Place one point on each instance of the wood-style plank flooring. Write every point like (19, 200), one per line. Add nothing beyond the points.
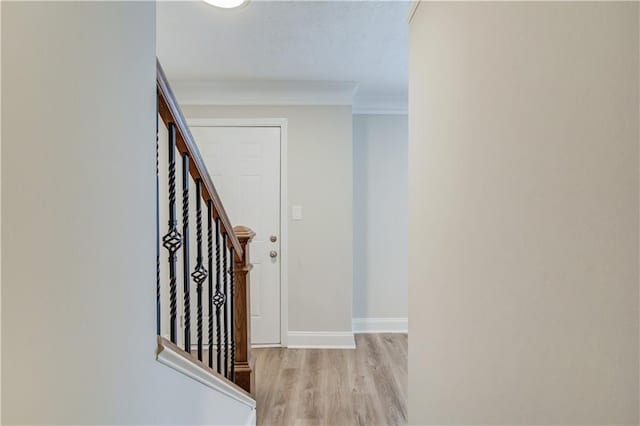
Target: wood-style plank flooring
(334, 387)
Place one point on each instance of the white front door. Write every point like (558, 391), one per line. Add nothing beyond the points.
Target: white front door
(244, 164)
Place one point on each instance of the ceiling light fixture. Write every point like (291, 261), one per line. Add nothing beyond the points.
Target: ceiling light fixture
(226, 4)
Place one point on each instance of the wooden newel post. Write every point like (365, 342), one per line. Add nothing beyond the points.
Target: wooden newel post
(242, 315)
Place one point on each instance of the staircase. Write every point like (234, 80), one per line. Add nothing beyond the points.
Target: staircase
(202, 288)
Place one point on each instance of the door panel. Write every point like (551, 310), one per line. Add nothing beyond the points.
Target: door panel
(244, 164)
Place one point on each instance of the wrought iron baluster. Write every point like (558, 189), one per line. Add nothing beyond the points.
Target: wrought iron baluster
(210, 293)
(158, 331)
(218, 300)
(232, 306)
(199, 275)
(185, 253)
(226, 306)
(172, 240)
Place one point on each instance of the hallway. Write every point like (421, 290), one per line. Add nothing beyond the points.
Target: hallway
(365, 386)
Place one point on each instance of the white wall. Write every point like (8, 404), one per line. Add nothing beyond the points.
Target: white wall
(380, 217)
(78, 196)
(320, 180)
(523, 201)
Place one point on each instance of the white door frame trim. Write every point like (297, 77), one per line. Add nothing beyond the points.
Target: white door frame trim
(284, 208)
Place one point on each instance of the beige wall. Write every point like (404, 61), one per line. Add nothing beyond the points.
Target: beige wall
(523, 201)
(320, 180)
(78, 220)
(380, 286)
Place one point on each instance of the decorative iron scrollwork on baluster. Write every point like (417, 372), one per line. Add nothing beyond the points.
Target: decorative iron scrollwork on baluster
(218, 300)
(199, 275)
(172, 241)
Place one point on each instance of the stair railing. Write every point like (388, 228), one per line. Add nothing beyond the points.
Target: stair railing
(221, 262)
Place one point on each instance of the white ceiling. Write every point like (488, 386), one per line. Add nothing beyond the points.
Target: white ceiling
(364, 43)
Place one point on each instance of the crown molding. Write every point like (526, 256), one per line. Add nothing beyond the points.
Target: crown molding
(388, 105)
(285, 93)
(194, 92)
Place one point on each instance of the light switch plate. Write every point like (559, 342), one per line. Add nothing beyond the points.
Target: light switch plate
(296, 212)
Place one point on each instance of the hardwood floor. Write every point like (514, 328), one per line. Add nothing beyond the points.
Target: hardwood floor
(334, 387)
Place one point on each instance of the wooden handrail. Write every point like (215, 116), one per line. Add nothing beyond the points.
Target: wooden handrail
(228, 302)
(170, 113)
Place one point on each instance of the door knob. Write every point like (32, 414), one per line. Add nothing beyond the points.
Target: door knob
(273, 254)
(273, 238)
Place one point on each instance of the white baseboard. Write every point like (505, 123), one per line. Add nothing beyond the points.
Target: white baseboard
(321, 340)
(380, 325)
(265, 345)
